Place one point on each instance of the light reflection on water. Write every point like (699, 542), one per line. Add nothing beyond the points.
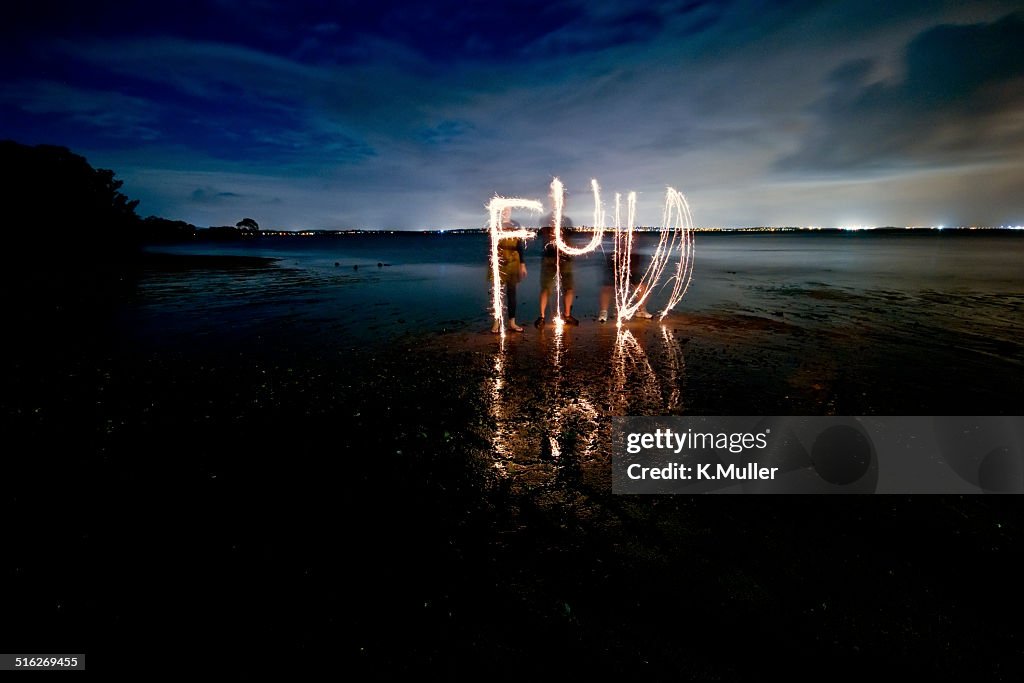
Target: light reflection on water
(552, 424)
(820, 323)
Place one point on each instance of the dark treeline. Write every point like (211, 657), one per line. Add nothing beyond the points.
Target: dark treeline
(55, 201)
(74, 238)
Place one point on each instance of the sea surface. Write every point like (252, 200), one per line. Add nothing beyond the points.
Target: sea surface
(912, 289)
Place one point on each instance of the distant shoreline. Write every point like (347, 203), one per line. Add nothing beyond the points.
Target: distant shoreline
(584, 229)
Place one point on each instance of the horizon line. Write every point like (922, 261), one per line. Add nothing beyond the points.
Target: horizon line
(639, 228)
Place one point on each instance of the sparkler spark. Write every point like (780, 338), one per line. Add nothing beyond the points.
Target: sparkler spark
(558, 194)
(682, 233)
(558, 200)
(579, 413)
(675, 237)
(496, 207)
(675, 240)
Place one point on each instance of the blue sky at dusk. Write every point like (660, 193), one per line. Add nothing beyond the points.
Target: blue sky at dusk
(413, 114)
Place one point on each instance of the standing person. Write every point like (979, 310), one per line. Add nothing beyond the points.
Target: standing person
(511, 270)
(635, 273)
(553, 260)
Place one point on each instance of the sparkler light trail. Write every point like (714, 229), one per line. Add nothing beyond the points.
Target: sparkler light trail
(682, 235)
(675, 237)
(496, 207)
(558, 199)
(558, 194)
(675, 240)
(623, 253)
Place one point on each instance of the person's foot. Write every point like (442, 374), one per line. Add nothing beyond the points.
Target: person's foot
(602, 317)
(569, 320)
(539, 322)
(512, 326)
(644, 314)
(496, 327)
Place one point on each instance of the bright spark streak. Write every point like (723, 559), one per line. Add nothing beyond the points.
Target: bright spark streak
(558, 202)
(675, 237)
(496, 207)
(683, 229)
(558, 194)
(623, 251)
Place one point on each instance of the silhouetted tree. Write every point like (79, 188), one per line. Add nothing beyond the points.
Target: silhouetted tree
(248, 225)
(50, 191)
(73, 233)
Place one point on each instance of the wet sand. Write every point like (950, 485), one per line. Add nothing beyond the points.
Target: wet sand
(440, 503)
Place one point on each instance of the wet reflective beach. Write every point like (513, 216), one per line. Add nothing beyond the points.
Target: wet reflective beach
(318, 457)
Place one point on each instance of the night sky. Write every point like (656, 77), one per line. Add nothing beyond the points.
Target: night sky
(412, 115)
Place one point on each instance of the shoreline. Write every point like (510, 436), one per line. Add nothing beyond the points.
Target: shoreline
(172, 261)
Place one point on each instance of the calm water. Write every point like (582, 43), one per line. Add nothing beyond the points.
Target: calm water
(906, 286)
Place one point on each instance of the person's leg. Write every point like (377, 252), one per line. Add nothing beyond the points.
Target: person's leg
(607, 285)
(547, 283)
(510, 297)
(642, 311)
(603, 302)
(637, 268)
(539, 322)
(510, 290)
(569, 284)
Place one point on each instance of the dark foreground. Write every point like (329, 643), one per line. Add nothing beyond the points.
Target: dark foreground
(440, 505)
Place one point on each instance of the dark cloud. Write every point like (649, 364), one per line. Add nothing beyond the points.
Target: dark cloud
(351, 113)
(598, 26)
(957, 102)
(211, 196)
(108, 115)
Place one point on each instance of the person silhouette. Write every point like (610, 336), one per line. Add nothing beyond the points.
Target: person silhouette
(555, 261)
(636, 271)
(511, 270)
